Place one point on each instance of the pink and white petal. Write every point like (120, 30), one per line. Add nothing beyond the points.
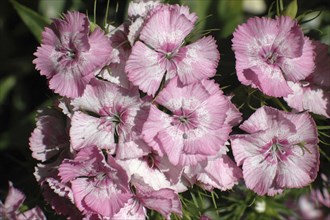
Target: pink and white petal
(187, 159)
(46, 60)
(100, 53)
(132, 149)
(132, 210)
(139, 170)
(50, 135)
(105, 199)
(171, 140)
(258, 174)
(260, 120)
(306, 129)
(250, 37)
(311, 98)
(245, 146)
(197, 61)
(165, 201)
(70, 170)
(157, 121)
(69, 82)
(185, 11)
(166, 26)
(96, 95)
(269, 79)
(298, 170)
(221, 173)
(204, 141)
(14, 199)
(299, 68)
(144, 68)
(141, 8)
(87, 130)
(290, 39)
(74, 22)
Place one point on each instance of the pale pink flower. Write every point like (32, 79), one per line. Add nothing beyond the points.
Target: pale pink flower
(280, 151)
(272, 52)
(69, 55)
(313, 93)
(98, 186)
(10, 208)
(193, 126)
(105, 115)
(161, 51)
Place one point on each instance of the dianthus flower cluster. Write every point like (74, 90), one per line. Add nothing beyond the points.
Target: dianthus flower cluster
(140, 120)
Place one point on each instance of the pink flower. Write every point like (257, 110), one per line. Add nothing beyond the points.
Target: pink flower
(160, 52)
(272, 52)
(192, 125)
(98, 186)
(14, 200)
(105, 115)
(280, 151)
(69, 55)
(313, 94)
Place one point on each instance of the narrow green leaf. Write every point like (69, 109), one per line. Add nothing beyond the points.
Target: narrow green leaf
(292, 9)
(34, 21)
(5, 86)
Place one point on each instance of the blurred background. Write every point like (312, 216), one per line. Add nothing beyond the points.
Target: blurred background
(23, 90)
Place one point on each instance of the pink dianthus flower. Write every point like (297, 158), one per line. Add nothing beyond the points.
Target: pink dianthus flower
(69, 54)
(194, 124)
(161, 50)
(272, 52)
(280, 150)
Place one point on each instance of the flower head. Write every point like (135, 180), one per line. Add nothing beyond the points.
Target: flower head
(272, 52)
(193, 124)
(69, 55)
(280, 150)
(161, 50)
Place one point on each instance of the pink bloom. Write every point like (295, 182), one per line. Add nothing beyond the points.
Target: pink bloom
(105, 115)
(50, 137)
(313, 94)
(69, 55)
(160, 52)
(280, 151)
(10, 209)
(272, 52)
(193, 126)
(98, 186)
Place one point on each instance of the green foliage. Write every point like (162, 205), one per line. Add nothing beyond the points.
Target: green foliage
(32, 19)
(292, 9)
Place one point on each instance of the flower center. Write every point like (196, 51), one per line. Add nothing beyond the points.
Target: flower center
(70, 54)
(271, 57)
(276, 150)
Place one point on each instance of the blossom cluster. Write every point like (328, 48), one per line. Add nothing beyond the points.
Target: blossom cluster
(141, 120)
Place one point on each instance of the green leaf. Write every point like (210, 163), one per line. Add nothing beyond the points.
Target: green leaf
(34, 21)
(6, 85)
(292, 9)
